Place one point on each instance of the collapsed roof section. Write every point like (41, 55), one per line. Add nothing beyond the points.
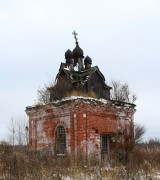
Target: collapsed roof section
(77, 74)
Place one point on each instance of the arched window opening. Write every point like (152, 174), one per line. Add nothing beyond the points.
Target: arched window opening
(60, 140)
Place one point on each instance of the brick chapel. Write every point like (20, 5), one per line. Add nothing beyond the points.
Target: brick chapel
(80, 117)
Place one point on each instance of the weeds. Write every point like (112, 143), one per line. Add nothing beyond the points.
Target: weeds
(20, 164)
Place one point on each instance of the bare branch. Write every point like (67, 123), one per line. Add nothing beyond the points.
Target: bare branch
(121, 92)
(139, 131)
(17, 134)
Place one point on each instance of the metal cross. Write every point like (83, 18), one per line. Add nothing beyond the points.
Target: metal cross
(75, 36)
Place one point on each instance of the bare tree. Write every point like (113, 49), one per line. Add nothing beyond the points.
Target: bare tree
(43, 95)
(127, 139)
(17, 131)
(54, 91)
(60, 89)
(12, 131)
(121, 92)
(139, 131)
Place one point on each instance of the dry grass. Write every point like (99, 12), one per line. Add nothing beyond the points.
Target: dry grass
(21, 164)
(75, 93)
(91, 94)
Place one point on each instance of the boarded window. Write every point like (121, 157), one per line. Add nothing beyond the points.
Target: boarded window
(60, 140)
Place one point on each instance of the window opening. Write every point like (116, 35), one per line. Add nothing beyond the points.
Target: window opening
(104, 140)
(96, 131)
(60, 140)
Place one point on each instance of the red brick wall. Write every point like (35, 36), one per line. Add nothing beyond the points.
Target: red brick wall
(83, 120)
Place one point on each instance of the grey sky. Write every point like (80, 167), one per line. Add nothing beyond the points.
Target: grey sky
(121, 36)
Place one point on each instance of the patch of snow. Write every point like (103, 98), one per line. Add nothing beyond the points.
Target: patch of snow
(157, 176)
(66, 68)
(87, 77)
(76, 68)
(104, 101)
(71, 98)
(67, 178)
(71, 77)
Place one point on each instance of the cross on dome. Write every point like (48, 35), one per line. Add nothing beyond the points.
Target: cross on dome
(75, 36)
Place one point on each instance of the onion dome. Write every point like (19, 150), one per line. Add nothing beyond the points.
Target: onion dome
(77, 52)
(68, 54)
(87, 60)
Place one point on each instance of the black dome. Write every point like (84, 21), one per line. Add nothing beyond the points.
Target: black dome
(77, 52)
(68, 54)
(87, 60)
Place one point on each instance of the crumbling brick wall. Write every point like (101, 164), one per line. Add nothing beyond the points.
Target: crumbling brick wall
(84, 120)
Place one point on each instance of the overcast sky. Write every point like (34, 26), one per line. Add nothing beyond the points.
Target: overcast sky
(121, 36)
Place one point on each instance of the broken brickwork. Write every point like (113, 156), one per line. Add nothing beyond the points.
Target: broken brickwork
(86, 122)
